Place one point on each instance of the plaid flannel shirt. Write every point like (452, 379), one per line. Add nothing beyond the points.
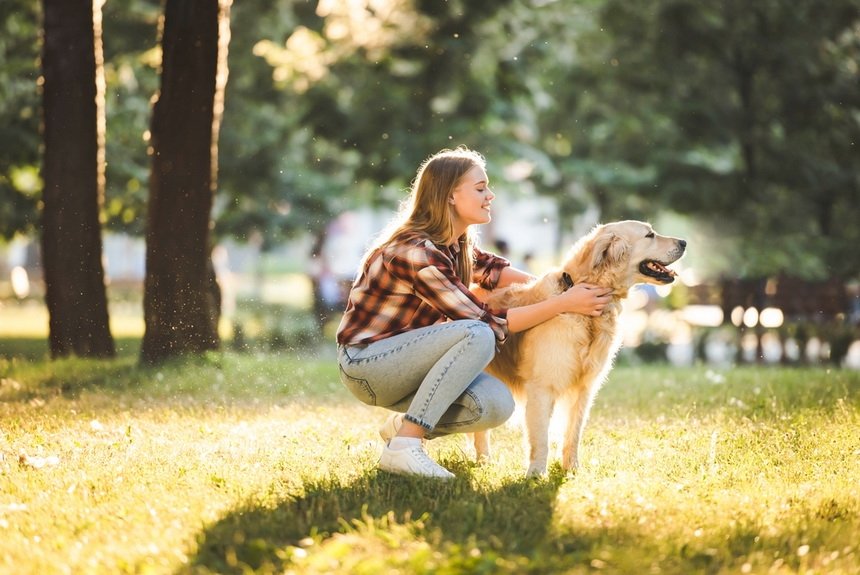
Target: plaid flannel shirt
(413, 283)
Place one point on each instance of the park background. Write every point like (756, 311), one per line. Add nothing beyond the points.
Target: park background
(734, 126)
(186, 187)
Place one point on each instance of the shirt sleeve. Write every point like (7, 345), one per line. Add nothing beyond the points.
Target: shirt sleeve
(488, 269)
(434, 279)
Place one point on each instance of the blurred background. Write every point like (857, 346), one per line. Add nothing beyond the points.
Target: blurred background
(733, 124)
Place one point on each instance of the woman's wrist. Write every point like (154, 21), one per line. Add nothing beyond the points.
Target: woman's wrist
(559, 304)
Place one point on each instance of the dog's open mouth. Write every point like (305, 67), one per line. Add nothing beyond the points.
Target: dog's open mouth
(658, 271)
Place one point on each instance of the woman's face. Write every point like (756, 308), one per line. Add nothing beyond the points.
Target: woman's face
(471, 200)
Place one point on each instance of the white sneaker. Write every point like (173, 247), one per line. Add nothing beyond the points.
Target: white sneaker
(390, 427)
(411, 461)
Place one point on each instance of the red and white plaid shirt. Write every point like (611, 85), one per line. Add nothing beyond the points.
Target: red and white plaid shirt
(413, 283)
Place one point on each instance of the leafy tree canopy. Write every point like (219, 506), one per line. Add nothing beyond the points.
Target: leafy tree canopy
(744, 115)
(741, 115)
(20, 182)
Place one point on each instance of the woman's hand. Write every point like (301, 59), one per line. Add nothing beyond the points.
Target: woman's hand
(587, 299)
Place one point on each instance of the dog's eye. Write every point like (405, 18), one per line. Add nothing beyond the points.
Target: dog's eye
(649, 235)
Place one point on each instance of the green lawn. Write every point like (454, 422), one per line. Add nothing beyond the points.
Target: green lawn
(264, 464)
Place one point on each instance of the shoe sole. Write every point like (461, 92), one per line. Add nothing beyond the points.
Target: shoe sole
(414, 474)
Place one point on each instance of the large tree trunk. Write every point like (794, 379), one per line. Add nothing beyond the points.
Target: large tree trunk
(73, 171)
(181, 308)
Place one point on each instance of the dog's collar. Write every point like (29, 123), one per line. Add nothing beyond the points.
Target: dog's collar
(566, 281)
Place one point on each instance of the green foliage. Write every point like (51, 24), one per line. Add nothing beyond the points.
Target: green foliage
(431, 86)
(736, 113)
(20, 184)
(131, 77)
(270, 185)
(741, 115)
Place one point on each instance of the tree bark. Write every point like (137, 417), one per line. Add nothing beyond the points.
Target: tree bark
(181, 308)
(73, 172)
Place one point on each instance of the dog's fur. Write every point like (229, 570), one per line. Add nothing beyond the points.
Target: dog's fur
(567, 358)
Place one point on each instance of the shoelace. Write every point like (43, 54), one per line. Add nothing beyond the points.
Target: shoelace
(424, 459)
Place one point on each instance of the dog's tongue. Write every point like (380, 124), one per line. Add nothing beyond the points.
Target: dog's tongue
(660, 268)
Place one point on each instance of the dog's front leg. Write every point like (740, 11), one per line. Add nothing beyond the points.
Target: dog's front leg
(482, 445)
(573, 433)
(539, 407)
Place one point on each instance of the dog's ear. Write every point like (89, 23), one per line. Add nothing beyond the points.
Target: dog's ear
(608, 248)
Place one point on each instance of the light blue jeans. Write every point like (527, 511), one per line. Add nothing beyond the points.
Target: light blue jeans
(435, 375)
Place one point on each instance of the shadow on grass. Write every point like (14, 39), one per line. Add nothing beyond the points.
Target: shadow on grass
(36, 348)
(24, 348)
(510, 520)
(28, 373)
(384, 523)
(219, 377)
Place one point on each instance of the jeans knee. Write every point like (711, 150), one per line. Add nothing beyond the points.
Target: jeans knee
(483, 339)
(496, 406)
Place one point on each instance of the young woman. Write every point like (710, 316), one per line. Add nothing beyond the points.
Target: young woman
(414, 339)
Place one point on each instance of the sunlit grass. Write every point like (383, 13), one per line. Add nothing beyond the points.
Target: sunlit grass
(24, 328)
(262, 463)
(264, 309)
(30, 320)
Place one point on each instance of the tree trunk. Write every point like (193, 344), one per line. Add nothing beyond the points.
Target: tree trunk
(181, 308)
(73, 171)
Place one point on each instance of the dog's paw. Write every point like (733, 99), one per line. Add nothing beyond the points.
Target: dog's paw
(536, 471)
(481, 443)
(482, 456)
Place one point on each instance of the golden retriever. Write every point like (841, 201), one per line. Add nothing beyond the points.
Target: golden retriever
(567, 358)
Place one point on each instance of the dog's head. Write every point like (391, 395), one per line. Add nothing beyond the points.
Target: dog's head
(621, 254)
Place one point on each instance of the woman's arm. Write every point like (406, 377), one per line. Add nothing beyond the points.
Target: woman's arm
(582, 298)
(511, 275)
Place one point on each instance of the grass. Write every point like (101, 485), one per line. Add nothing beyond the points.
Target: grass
(262, 463)
(24, 329)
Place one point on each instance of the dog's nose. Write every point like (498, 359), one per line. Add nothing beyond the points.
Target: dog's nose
(682, 243)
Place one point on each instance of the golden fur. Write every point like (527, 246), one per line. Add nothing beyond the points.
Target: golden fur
(567, 358)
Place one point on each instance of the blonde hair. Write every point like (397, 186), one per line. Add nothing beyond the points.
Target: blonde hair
(427, 210)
